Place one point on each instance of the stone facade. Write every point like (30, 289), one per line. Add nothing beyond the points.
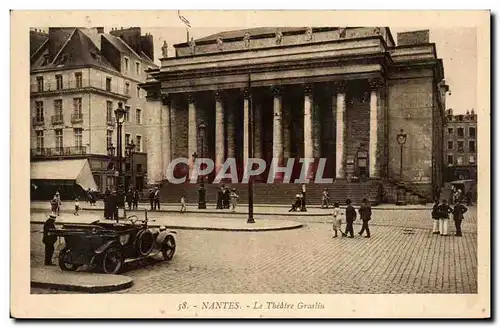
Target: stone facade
(337, 93)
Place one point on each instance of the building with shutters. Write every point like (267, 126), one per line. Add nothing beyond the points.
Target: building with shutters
(78, 76)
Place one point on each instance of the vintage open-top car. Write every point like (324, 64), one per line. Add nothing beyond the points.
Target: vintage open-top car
(106, 245)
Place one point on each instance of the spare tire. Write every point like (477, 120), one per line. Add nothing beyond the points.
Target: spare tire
(144, 242)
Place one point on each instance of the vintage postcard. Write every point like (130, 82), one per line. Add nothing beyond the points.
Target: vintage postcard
(250, 164)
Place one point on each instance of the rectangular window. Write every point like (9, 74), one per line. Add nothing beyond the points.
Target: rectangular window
(127, 113)
(109, 138)
(472, 159)
(77, 107)
(108, 84)
(127, 138)
(137, 68)
(472, 132)
(78, 79)
(138, 143)
(59, 82)
(460, 132)
(450, 159)
(39, 140)
(138, 92)
(450, 145)
(78, 138)
(59, 140)
(125, 59)
(460, 160)
(39, 82)
(460, 146)
(39, 111)
(138, 115)
(58, 110)
(127, 88)
(472, 146)
(109, 111)
(450, 131)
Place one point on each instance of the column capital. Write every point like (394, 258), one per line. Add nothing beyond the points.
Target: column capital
(191, 98)
(308, 89)
(340, 86)
(165, 99)
(246, 93)
(277, 90)
(218, 95)
(375, 84)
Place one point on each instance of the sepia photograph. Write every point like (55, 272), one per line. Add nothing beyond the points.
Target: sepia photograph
(233, 164)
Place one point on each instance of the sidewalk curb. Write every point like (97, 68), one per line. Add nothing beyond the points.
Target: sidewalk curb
(296, 225)
(82, 288)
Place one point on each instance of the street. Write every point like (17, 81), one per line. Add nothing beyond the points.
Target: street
(403, 256)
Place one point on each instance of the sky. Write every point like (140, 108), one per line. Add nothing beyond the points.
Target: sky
(456, 46)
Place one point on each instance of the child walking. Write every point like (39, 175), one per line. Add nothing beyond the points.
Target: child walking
(337, 220)
(234, 200)
(183, 204)
(77, 206)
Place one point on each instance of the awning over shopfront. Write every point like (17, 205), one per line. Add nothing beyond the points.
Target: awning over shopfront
(77, 170)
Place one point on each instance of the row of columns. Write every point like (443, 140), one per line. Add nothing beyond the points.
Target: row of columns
(162, 136)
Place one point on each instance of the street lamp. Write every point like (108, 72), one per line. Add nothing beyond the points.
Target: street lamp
(120, 113)
(129, 149)
(250, 127)
(401, 192)
(202, 204)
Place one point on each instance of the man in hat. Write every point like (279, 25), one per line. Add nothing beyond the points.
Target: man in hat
(157, 198)
(49, 240)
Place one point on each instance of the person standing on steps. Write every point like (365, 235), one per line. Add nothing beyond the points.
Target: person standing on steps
(435, 217)
(365, 213)
(350, 217)
(48, 239)
(303, 204)
(325, 199)
(219, 198)
(458, 215)
(135, 199)
(234, 200)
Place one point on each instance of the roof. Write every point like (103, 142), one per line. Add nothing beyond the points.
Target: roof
(252, 31)
(70, 169)
(37, 39)
(121, 46)
(72, 47)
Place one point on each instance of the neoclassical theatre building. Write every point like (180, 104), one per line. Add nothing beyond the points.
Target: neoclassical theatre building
(343, 94)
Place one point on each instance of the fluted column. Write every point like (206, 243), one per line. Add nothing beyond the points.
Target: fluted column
(166, 143)
(192, 129)
(278, 124)
(308, 122)
(257, 137)
(340, 131)
(375, 110)
(246, 113)
(230, 129)
(287, 117)
(219, 131)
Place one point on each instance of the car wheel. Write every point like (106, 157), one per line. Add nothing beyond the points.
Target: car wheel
(64, 260)
(112, 261)
(145, 242)
(168, 248)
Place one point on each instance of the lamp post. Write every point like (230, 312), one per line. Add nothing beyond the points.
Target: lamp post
(250, 150)
(130, 155)
(202, 204)
(401, 197)
(120, 118)
(401, 138)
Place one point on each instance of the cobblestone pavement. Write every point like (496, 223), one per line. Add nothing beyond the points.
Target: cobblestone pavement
(397, 259)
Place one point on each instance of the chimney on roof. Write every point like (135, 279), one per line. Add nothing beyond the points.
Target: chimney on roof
(100, 30)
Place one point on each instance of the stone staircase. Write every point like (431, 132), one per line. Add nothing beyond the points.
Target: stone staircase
(278, 193)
